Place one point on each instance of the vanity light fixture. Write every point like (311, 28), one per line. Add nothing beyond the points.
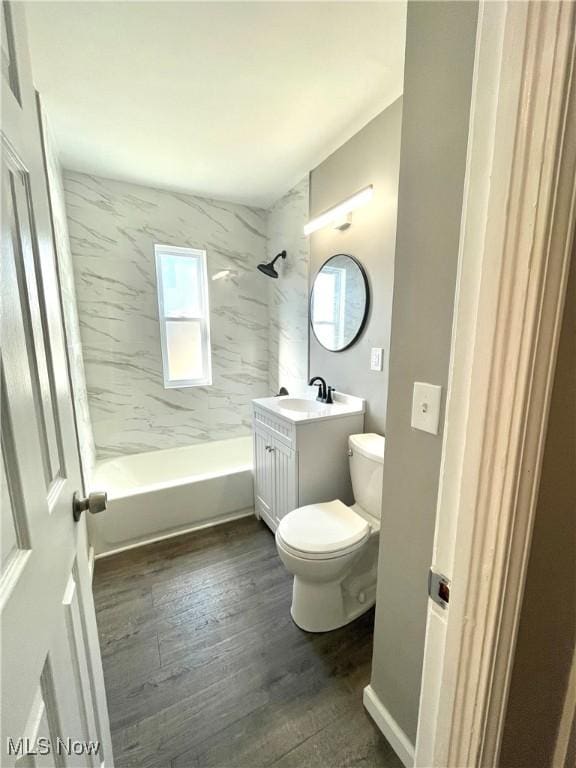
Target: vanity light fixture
(337, 215)
(342, 223)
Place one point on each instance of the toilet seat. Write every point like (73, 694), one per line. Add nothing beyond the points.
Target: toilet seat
(322, 531)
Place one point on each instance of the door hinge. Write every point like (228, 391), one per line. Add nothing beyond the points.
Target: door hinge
(439, 588)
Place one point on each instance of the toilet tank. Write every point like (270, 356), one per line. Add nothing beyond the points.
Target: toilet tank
(366, 454)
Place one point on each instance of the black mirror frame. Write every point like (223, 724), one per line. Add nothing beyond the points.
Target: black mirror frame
(366, 306)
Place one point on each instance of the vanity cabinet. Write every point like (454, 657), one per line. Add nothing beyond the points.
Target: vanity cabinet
(275, 477)
(298, 463)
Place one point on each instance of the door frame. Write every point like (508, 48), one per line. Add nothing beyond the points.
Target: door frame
(518, 220)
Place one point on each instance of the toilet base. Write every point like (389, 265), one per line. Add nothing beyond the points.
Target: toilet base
(322, 607)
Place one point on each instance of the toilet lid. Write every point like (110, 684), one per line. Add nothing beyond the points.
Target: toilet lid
(322, 528)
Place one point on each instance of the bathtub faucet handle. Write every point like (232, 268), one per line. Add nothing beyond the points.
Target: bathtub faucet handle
(93, 503)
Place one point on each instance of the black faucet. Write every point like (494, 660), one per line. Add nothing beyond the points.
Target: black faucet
(324, 392)
(321, 387)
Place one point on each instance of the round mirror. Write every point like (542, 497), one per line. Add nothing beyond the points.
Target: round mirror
(339, 302)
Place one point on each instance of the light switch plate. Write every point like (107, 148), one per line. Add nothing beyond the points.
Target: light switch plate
(426, 407)
(376, 359)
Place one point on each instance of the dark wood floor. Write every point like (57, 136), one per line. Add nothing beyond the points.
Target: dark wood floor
(204, 666)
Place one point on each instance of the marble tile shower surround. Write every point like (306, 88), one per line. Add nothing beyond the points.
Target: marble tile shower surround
(288, 296)
(70, 309)
(113, 227)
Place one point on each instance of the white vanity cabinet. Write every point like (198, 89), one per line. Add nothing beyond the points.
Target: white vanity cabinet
(275, 477)
(299, 460)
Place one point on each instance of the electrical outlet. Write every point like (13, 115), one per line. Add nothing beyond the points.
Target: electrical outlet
(376, 359)
(426, 407)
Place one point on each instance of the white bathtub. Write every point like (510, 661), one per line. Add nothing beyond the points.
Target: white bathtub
(162, 493)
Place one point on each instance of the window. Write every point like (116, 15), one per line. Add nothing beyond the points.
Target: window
(183, 309)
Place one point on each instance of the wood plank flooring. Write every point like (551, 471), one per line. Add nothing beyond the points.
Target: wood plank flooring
(205, 668)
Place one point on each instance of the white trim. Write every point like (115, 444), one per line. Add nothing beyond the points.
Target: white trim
(518, 226)
(395, 736)
(247, 512)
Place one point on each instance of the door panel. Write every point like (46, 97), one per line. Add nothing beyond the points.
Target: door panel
(9, 65)
(51, 671)
(20, 214)
(38, 728)
(284, 479)
(78, 658)
(263, 476)
(275, 477)
(9, 541)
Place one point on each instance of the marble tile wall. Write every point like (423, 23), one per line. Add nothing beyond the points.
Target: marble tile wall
(113, 228)
(288, 296)
(68, 289)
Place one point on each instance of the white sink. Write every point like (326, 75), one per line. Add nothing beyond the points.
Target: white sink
(302, 409)
(301, 405)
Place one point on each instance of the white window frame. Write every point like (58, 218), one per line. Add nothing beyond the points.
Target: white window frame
(203, 317)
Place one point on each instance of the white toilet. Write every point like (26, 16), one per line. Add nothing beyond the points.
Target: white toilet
(332, 549)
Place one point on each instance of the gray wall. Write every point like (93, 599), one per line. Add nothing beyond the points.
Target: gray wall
(440, 42)
(547, 632)
(369, 157)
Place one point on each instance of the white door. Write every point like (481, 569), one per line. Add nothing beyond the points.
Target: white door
(52, 691)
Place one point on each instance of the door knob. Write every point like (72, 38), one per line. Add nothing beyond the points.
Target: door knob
(93, 503)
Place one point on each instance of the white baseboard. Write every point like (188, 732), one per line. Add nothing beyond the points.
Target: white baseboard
(396, 737)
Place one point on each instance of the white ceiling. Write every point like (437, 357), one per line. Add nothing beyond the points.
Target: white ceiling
(235, 100)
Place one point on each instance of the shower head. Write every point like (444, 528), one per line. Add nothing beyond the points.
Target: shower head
(269, 269)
